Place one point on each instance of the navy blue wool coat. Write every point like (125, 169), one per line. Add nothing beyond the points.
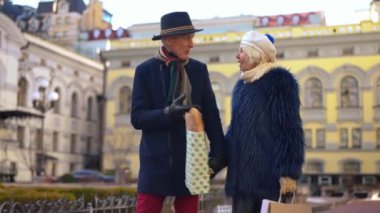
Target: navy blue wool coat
(265, 138)
(163, 142)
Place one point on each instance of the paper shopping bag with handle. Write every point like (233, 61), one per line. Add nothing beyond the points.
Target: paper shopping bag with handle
(197, 178)
(270, 206)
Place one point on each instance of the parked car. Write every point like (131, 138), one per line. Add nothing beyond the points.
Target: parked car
(91, 175)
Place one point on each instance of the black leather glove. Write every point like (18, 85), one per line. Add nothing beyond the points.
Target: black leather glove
(216, 165)
(177, 109)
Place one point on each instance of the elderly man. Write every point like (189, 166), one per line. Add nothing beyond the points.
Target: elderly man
(165, 87)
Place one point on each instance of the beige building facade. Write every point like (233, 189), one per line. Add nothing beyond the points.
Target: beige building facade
(48, 140)
(338, 69)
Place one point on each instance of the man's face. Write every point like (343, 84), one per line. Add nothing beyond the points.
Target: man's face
(180, 45)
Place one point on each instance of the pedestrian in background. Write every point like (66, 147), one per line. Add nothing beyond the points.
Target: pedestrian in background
(165, 87)
(265, 137)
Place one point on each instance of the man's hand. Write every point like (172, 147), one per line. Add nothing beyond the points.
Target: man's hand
(177, 109)
(287, 185)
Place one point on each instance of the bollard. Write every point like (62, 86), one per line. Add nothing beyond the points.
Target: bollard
(89, 207)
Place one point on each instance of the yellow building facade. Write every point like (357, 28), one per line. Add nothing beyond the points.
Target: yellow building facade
(338, 69)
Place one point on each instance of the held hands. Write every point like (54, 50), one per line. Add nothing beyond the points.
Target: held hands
(177, 109)
(287, 185)
(215, 165)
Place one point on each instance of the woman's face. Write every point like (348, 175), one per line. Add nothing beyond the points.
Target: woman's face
(245, 63)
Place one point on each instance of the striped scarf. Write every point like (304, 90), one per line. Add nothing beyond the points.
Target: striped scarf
(179, 81)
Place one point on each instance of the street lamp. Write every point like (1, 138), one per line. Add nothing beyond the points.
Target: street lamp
(43, 99)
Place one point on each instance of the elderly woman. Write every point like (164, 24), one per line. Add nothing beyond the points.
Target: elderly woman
(265, 136)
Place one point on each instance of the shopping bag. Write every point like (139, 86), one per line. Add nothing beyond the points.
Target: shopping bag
(270, 206)
(197, 178)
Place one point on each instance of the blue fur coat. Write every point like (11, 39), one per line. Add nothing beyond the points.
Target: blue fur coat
(265, 138)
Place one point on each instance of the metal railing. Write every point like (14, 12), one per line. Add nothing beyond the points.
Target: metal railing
(212, 202)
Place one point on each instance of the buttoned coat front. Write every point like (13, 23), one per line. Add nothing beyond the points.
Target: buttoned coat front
(163, 141)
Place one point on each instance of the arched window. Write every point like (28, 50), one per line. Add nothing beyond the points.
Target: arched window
(314, 166)
(313, 93)
(308, 138)
(57, 103)
(343, 132)
(356, 138)
(125, 100)
(217, 88)
(90, 106)
(351, 166)
(349, 92)
(74, 105)
(21, 92)
(378, 93)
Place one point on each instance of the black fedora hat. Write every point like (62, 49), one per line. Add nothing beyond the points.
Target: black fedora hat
(175, 23)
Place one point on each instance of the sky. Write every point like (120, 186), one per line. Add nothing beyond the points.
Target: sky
(128, 12)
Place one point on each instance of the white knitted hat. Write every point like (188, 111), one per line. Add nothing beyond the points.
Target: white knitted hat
(261, 43)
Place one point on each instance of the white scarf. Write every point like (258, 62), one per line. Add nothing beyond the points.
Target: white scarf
(257, 72)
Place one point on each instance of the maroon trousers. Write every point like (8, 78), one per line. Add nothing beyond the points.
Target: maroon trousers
(147, 203)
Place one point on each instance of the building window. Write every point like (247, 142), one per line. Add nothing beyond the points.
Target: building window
(369, 180)
(348, 51)
(125, 100)
(356, 138)
(73, 141)
(313, 93)
(42, 62)
(280, 20)
(280, 55)
(58, 21)
(125, 64)
(324, 180)
(74, 105)
(312, 53)
(352, 167)
(67, 20)
(321, 138)
(38, 140)
(349, 92)
(54, 169)
(308, 138)
(21, 136)
(72, 167)
(21, 92)
(343, 133)
(264, 21)
(55, 141)
(24, 57)
(314, 167)
(88, 145)
(214, 59)
(378, 138)
(377, 103)
(217, 88)
(57, 103)
(89, 108)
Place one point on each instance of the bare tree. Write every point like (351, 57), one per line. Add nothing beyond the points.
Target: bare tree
(119, 146)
